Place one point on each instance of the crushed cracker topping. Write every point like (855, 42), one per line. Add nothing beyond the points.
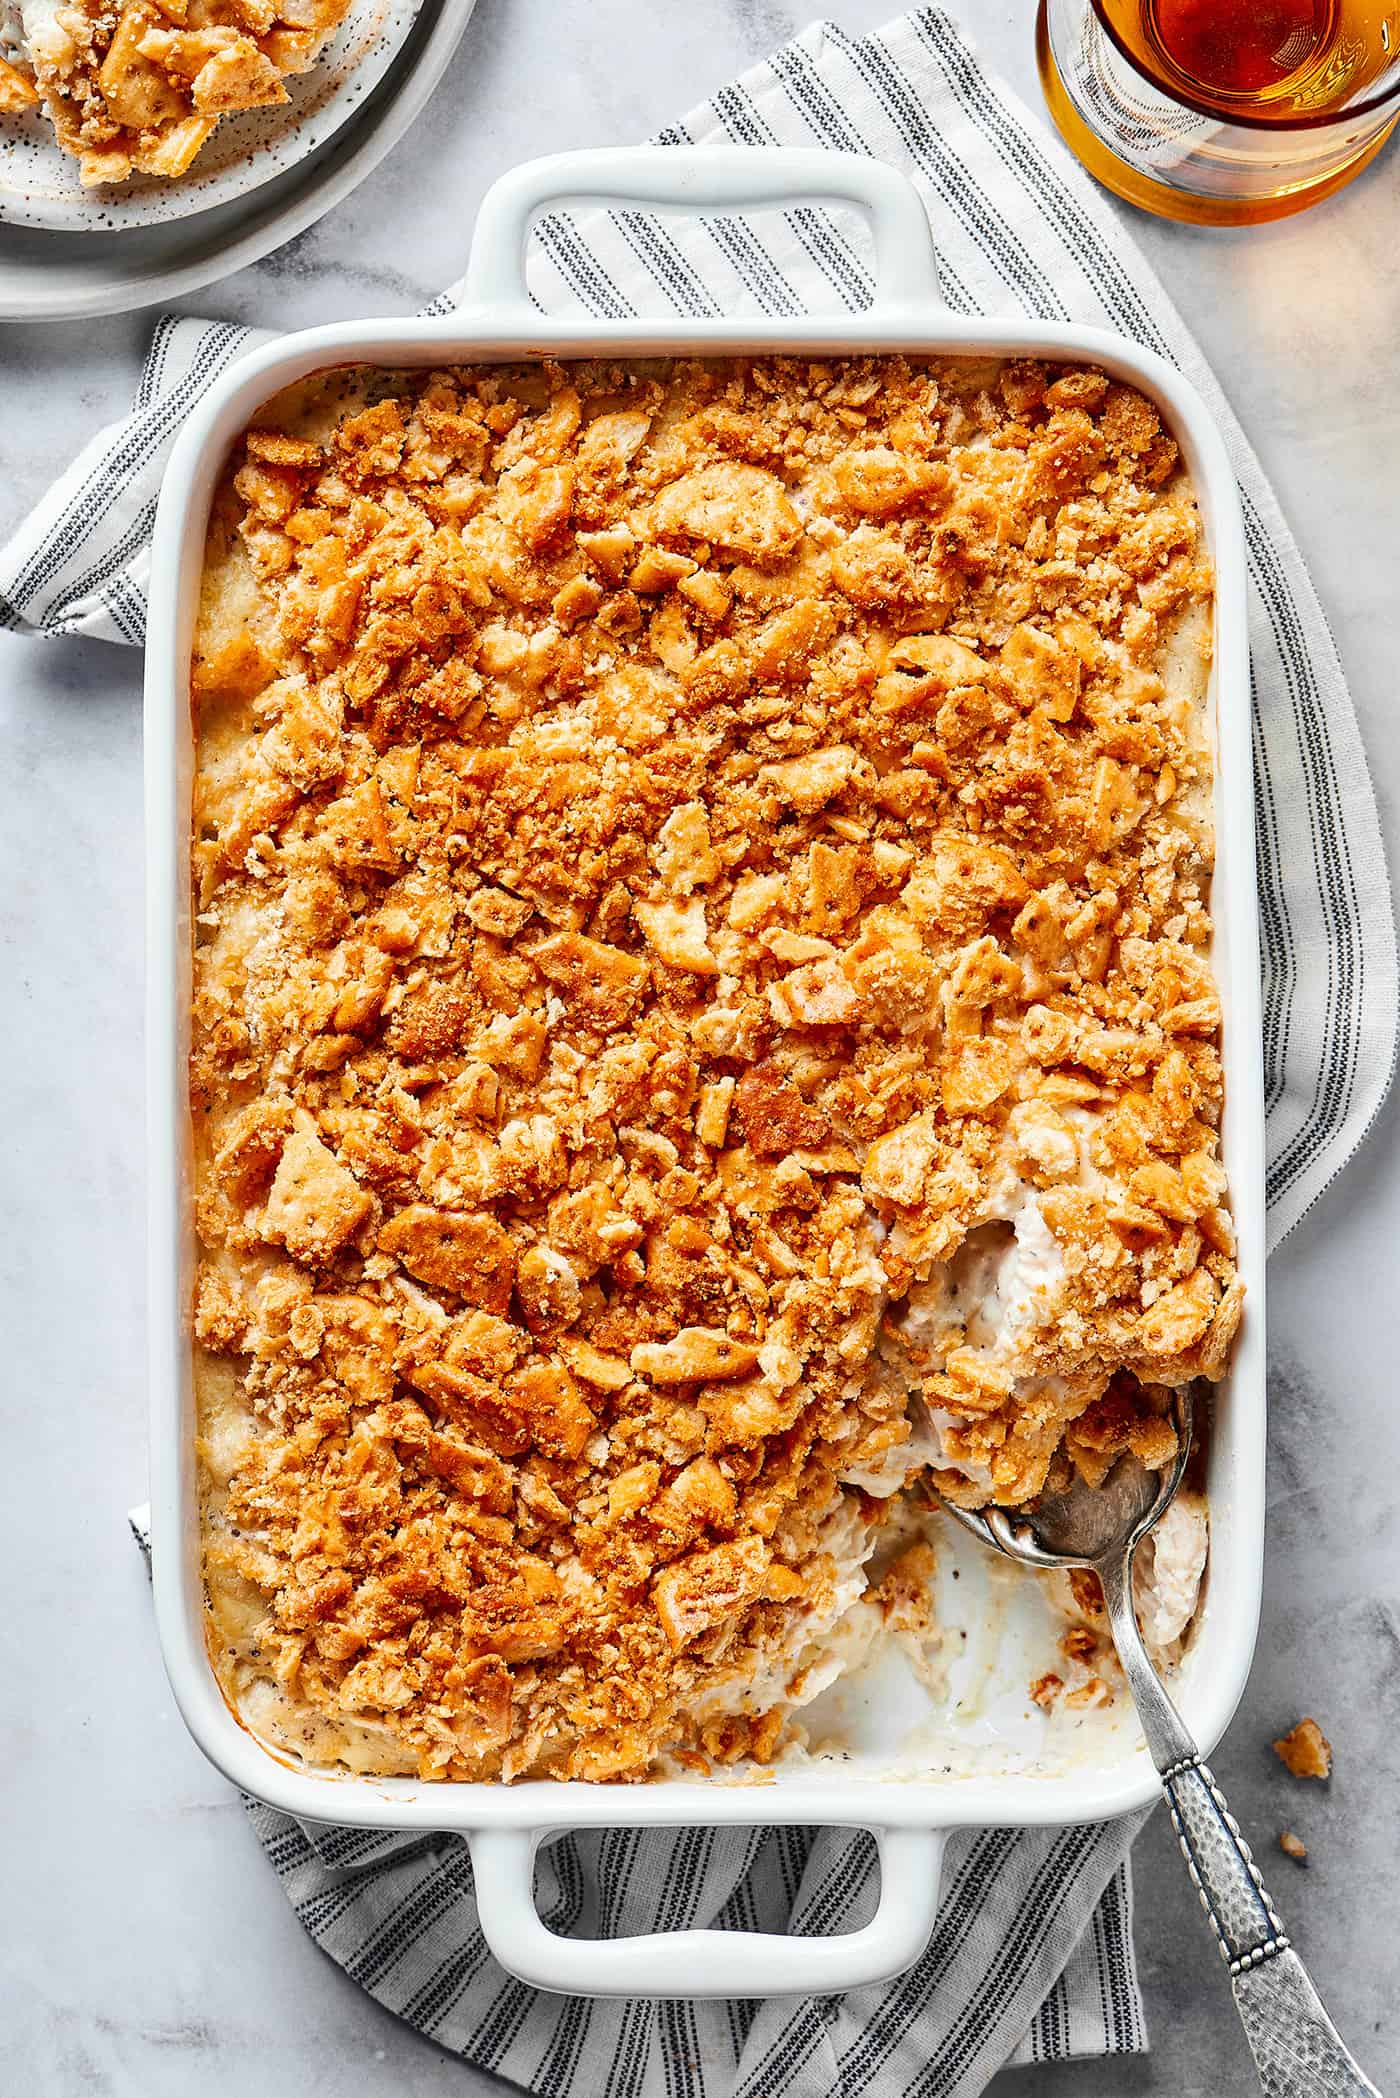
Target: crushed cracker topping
(702, 1011)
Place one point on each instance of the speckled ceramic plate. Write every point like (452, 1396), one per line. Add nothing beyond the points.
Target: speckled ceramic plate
(39, 183)
(52, 275)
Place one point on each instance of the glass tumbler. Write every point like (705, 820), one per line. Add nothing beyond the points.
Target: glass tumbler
(1222, 112)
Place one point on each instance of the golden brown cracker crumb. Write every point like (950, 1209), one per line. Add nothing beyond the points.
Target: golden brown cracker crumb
(1305, 1750)
(702, 970)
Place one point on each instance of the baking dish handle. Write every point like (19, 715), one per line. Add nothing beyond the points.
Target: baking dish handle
(706, 1962)
(703, 179)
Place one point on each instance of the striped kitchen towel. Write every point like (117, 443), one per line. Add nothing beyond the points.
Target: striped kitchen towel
(1032, 1956)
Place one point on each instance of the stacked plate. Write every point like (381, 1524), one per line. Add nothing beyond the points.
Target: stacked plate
(263, 177)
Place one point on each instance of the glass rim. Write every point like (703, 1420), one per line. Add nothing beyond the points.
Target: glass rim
(1316, 122)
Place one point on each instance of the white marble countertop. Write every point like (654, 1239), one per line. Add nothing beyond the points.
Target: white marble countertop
(147, 1949)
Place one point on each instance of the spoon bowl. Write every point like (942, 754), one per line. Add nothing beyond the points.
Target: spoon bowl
(1084, 1525)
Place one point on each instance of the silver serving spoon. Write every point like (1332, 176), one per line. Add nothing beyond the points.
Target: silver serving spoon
(1295, 2045)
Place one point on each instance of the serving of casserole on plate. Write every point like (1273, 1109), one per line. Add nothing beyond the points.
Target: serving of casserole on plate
(703, 1021)
(140, 88)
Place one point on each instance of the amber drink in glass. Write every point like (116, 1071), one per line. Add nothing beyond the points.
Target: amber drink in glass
(1223, 112)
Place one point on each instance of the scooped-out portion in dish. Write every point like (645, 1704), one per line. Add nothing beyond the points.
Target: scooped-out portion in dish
(138, 87)
(703, 1027)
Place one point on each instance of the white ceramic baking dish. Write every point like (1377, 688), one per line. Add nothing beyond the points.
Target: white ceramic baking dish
(887, 1788)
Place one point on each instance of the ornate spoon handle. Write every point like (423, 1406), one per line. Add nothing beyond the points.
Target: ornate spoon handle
(1295, 2045)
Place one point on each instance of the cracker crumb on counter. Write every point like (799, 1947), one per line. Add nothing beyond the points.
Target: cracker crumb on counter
(1305, 1750)
(1293, 1847)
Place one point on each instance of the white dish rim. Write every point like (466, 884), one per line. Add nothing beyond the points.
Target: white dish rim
(506, 1823)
